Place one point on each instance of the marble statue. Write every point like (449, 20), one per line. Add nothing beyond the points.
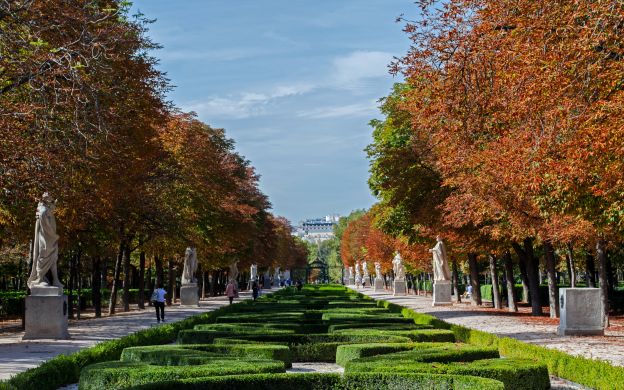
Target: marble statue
(276, 276)
(234, 271)
(440, 261)
(287, 275)
(378, 275)
(45, 246)
(398, 267)
(365, 276)
(253, 272)
(358, 274)
(190, 266)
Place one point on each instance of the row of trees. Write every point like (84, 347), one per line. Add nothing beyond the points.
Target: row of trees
(85, 117)
(506, 137)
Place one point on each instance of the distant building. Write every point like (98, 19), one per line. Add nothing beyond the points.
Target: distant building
(318, 229)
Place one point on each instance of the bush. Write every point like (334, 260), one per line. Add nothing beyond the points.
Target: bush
(421, 335)
(376, 325)
(316, 381)
(125, 375)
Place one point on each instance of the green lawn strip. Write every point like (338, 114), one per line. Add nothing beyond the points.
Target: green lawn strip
(318, 381)
(596, 374)
(126, 375)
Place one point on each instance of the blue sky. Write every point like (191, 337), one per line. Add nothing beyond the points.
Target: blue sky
(293, 82)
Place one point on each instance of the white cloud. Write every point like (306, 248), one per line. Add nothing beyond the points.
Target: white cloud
(246, 104)
(366, 109)
(360, 65)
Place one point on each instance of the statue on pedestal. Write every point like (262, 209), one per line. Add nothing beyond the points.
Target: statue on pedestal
(365, 276)
(45, 246)
(276, 276)
(234, 271)
(358, 274)
(440, 261)
(190, 266)
(253, 272)
(378, 275)
(398, 268)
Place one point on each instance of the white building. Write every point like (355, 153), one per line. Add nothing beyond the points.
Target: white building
(317, 229)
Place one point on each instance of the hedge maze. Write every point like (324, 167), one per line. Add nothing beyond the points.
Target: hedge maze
(252, 344)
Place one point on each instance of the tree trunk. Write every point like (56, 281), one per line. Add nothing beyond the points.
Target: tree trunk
(113, 293)
(509, 277)
(601, 255)
(150, 284)
(142, 280)
(72, 279)
(590, 270)
(610, 275)
(456, 279)
(570, 264)
(524, 278)
(203, 290)
(553, 290)
(126, 280)
(496, 298)
(160, 273)
(79, 284)
(96, 284)
(171, 275)
(474, 279)
(526, 253)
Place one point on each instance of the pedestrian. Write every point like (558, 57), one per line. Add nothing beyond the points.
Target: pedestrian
(231, 292)
(255, 291)
(299, 285)
(158, 298)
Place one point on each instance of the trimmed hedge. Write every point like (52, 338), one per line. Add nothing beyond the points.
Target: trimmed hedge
(376, 325)
(596, 374)
(317, 381)
(346, 353)
(126, 375)
(421, 335)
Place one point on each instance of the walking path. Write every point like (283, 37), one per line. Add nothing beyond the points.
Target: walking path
(522, 327)
(17, 355)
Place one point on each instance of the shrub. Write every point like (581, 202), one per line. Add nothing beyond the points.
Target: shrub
(316, 381)
(377, 325)
(125, 375)
(422, 335)
(348, 352)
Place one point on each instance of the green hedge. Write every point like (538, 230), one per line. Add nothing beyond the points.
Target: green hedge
(317, 381)
(421, 335)
(126, 375)
(346, 353)
(376, 325)
(596, 374)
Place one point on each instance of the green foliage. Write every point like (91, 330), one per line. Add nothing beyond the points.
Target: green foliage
(422, 335)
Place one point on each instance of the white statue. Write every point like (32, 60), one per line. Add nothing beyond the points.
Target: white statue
(190, 266)
(234, 271)
(398, 268)
(351, 273)
(366, 276)
(276, 276)
(253, 272)
(358, 274)
(287, 275)
(440, 261)
(45, 247)
(378, 271)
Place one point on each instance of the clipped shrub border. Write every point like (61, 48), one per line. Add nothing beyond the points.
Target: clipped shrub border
(596, 374)
(318, 381)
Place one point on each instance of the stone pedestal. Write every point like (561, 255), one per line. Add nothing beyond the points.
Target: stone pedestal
(379, 285)
(267, 283)
(442, 290)
(351, 281)
(46, 316)
(189, 295)
(399, 287)
(580, 312)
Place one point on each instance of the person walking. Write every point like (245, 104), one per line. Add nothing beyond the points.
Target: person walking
(255, 291)
(158, 298)
(230, 291)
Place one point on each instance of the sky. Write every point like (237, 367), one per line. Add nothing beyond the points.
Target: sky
(294, 83)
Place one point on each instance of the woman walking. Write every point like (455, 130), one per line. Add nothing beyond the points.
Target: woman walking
(230, 291)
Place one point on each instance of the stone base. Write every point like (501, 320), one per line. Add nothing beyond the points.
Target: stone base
(351, 281)
(46, 291)
(379, 285)
(442, 291)
(189, 295)
(267, 284)
(46, 317)
(399, 287)
(580, 312)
